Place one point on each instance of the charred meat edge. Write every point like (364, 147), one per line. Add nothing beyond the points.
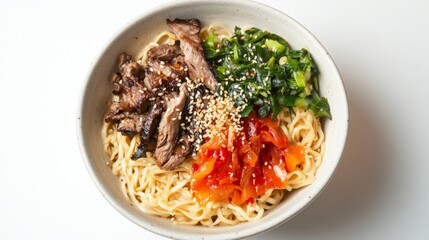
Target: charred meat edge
(187, 32)
(126, 113)
(165, 67)
(148, 128)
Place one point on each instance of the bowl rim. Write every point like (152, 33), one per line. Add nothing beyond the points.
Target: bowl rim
(153, 228)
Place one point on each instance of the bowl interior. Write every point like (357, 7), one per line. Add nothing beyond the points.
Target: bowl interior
(97, 92)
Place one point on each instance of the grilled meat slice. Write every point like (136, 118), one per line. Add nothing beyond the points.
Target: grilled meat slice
(187, 32)
(180, 152)
(127, 111)
(131, 124)
(169, 126)
(127, 84)
(148, 128)
(132, 72)
(126, 122)
(164, 52)
(162, 71)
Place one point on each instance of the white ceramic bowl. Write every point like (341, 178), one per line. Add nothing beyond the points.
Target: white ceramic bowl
(133, 37)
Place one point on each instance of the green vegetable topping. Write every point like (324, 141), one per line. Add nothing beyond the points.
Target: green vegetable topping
(259, 71)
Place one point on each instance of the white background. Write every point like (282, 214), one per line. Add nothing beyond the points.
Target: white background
(380, 191)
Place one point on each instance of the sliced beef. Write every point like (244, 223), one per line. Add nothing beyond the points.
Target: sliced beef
(165, 67)
(169, 126)
(132, 72)
(187, 32)
(127, 123)
(181, 150)
(127, 112)
(164, 52)
(148, 128)
(156, 97)
(131, 124)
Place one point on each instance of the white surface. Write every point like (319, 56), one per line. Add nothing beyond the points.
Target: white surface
(380, 190)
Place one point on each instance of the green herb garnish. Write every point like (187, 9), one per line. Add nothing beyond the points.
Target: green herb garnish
(259, 71)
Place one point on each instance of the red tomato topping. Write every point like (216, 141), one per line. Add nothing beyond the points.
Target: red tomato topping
(244, 165)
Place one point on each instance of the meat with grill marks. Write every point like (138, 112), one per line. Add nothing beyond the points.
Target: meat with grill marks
(126, 112)
(148, 129)
(165, 67)
(191, 45)
(169, 127)
(155, 100)
(164, 52)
